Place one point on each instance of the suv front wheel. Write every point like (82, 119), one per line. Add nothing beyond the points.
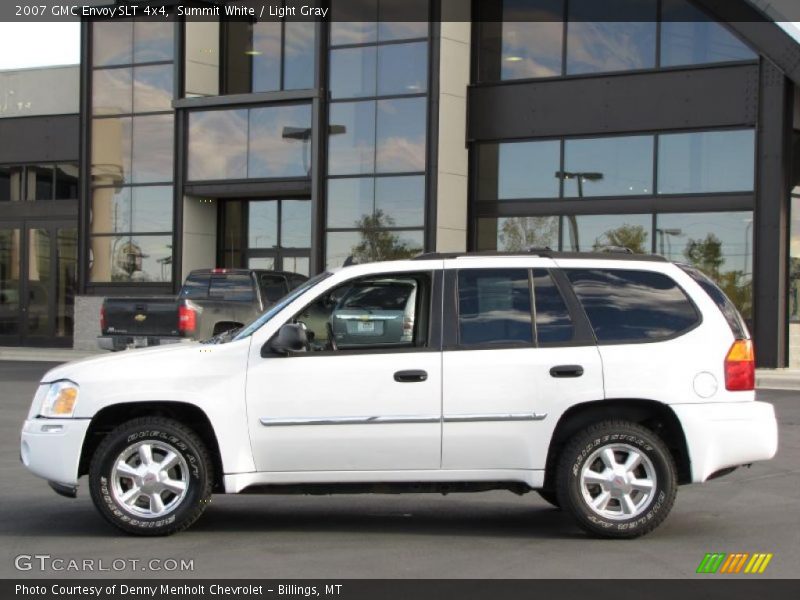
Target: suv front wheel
(617, 479)
(151, 476)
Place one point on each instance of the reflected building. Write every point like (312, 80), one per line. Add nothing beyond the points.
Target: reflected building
(296, 145)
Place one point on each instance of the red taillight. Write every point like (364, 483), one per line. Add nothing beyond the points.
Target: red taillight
(102, 318)
(740, 367)
(187, 319)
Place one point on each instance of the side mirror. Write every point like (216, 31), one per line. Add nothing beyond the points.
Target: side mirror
(290, 338)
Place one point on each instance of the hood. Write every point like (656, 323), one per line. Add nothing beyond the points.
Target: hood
(76, 369)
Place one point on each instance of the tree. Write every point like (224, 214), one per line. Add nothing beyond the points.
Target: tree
(633, 237)
(520, 233)
(706, 255)
(379, 244)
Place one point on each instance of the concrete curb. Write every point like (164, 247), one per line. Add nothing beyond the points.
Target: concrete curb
(778, 379)
(45, 354)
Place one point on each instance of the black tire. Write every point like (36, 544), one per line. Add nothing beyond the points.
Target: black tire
(550, 497)
(164, 434)
(650, 509)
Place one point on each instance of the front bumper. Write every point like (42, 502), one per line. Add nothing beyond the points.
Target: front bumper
(51, 448)
(727, 434)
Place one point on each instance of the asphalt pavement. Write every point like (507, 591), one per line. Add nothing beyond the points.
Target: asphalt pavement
(485, 535)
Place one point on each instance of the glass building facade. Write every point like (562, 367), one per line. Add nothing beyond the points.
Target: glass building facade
(296, 145)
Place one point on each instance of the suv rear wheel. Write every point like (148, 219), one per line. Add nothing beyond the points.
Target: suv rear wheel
(617, 479)
(151, 476)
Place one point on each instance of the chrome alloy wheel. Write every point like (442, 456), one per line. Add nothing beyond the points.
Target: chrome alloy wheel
(149, 479)
(618, 482)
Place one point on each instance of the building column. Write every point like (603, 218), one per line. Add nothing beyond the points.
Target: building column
(451, 164)
(771, 245)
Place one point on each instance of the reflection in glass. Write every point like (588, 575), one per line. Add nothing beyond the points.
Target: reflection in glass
(111, 210)
(201, 58)
(401, 199)
(112, 43)
(595, 232)
(794, 268)
(494, 307)
(618, 166)
(688, 37)
(402, 19)
(553, 321)
(152, 88)
(402, 30)
(217, 145)
(111, 91)
(518, 170)
(261, 262)
(131, 258)
(704, 162)
(295, 224)
(152, 148)
(39, 180)
(279, 142)
(233, 233)
(596, 44)
(266, 56)
(516, 234)
(351, 144)
(348, 200)
(11, 183)
(719, 244)
(262, 224)
(344, 27)
(67, 181)
(400, 138)
(296, 264)
(353, 72)
(151, 208)
(372, 243)
(402, 69)
(298, 55)
(531, 49)
(10, 254)
(153, 41)
(111, 151)
(39, 281)
(66, 280)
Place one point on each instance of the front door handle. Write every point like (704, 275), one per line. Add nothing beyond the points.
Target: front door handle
(566, 371)
(410, 376)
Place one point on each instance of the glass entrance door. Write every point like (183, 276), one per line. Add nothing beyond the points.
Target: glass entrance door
(38, 280)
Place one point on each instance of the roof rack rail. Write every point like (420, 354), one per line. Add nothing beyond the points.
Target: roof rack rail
(601, 253)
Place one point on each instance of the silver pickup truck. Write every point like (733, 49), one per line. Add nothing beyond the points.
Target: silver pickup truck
(211, 302)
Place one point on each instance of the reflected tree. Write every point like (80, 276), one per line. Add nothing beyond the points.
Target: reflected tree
(521, 233)
(379, 244)
(706, 255)
(633, 237)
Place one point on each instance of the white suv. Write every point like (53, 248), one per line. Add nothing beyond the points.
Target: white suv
(601, 381)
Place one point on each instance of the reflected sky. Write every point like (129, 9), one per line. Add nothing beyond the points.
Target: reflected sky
(153, 153)
(625, 165)
(217, 145)
(401, 135)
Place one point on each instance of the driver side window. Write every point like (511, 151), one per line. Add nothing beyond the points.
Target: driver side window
(379, 311)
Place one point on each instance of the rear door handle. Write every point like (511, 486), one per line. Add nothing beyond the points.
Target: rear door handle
(566, 371)
(410, 376)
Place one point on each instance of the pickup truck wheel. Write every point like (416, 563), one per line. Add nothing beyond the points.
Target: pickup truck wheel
(617, 479)
(151, 476)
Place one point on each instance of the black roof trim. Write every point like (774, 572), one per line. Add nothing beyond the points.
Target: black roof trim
(545, 253)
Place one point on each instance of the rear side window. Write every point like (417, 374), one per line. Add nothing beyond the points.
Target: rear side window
(494, 307)
(632, 306)
(196, 286)
(233, 287)
(273, 287)
(553, 322)
(728, 309)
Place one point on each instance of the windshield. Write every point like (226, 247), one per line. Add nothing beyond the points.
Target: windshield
(255, 325)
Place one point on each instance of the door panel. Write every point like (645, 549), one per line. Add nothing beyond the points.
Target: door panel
(345, 412)
(514, 403)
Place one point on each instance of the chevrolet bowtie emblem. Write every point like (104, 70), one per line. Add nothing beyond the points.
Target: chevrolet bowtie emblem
(140, 317)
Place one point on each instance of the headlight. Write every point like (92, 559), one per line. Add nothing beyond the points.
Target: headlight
(60, 400)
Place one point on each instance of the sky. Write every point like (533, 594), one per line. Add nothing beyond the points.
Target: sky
(25, 45)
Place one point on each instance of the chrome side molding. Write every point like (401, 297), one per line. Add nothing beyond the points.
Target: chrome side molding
(397, 419)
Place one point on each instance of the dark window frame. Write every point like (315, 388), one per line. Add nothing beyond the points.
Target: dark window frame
(53, 166)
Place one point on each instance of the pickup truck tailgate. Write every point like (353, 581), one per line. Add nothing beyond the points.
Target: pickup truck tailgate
(141, 316)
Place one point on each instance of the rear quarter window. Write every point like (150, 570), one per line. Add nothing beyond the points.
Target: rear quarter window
(232, 287)
(724, 304)
(632, 306)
